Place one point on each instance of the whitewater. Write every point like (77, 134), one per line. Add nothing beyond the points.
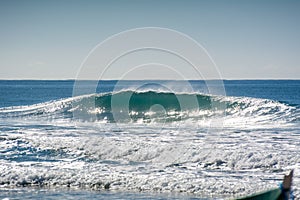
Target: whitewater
(147, 143)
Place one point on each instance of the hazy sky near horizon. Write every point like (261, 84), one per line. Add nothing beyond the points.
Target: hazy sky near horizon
(248, 39)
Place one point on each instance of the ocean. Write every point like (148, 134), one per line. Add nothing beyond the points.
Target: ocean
(147, 139)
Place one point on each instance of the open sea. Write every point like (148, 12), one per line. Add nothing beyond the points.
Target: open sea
(147, 139)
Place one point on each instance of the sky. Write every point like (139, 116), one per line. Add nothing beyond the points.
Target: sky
(247, 39)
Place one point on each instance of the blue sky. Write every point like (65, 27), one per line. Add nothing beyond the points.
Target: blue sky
(247, 39)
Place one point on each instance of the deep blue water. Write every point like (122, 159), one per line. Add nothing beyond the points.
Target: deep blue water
(280, 90)
(27, 92)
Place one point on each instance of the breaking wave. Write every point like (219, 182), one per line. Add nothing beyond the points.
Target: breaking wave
(153, 106)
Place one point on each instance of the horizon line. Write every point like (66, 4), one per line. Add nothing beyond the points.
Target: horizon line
(72, 79)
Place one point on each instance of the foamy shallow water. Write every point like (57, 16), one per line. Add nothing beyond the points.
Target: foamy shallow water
(152, 158)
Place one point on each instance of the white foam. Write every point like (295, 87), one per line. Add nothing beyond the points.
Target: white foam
(139, 157)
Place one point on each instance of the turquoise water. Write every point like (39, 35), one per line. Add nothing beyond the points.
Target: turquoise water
(147, 139)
